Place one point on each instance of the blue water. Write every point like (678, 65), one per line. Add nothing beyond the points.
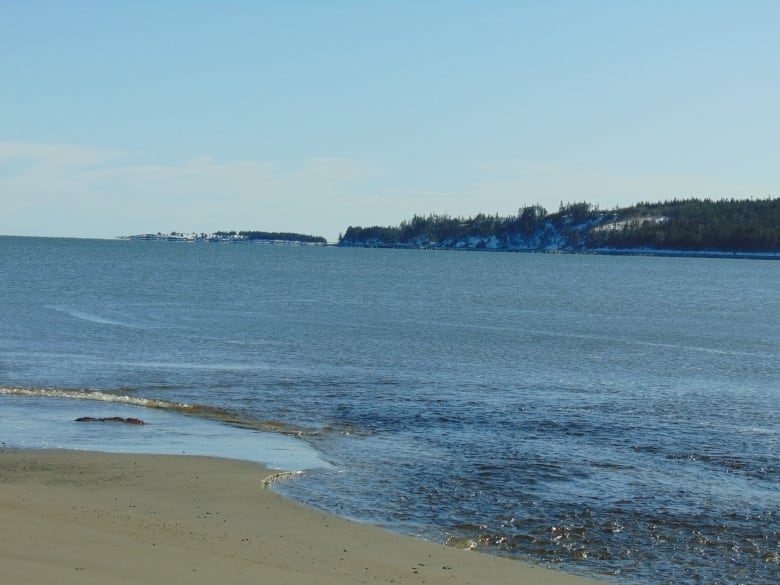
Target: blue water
(617, 417)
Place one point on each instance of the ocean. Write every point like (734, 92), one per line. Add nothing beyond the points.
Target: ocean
(610, 416)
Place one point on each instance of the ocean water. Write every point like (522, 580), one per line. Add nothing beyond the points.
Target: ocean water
(617, 417)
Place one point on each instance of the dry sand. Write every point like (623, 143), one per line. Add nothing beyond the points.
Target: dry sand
(94, 518)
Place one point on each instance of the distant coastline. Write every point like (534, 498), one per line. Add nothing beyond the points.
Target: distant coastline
(595, 251)
(233, 237)
(691, 227)
(688, 227)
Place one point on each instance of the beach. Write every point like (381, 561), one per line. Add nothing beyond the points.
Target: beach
(110, 519)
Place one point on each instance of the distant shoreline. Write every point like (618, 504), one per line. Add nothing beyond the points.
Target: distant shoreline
(686, 253)
(232, 238)
(590, 252)
(735, 254)
(687, 227)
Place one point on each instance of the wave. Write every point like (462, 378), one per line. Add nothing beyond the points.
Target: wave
(193, 366)
(639, 342)
(199, 410)
(84, 394)
(93, 318)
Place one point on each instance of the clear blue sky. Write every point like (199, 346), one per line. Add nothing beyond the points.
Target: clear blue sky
(120, 117)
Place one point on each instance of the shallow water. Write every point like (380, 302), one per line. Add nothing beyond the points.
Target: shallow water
(46, 419)
(611, 416)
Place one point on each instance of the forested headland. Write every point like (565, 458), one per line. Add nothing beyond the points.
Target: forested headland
(686, 225)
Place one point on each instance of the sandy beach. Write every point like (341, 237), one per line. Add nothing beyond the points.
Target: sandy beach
(72, 517)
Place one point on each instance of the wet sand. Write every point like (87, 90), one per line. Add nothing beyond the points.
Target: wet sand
(72, 517)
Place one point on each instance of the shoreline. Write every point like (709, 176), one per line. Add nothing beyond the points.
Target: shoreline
(90, 517)
(658, 252)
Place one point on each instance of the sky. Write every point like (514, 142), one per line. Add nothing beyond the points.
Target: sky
(128, 117)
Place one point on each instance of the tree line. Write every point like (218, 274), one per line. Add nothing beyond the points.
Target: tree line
(751, 225)
(693, 224)
(274, 236)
